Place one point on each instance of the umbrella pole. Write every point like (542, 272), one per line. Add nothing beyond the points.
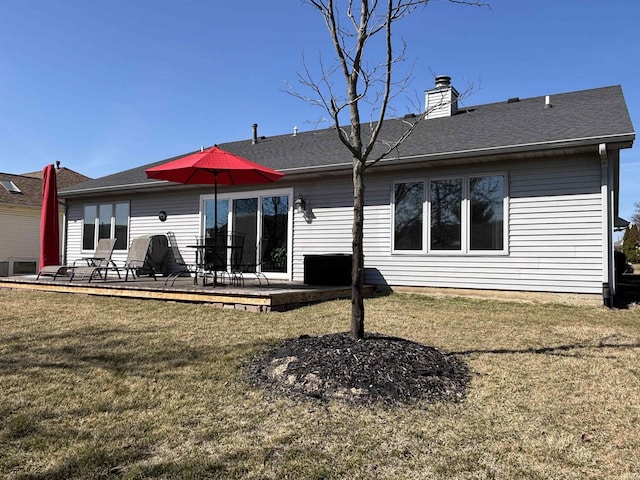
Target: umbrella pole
(215, 224)
(215, 206)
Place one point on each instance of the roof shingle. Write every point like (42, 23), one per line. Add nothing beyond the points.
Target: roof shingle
(588, 115)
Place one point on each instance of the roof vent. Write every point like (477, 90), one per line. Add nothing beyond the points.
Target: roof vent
(441, 101)
(547, 102)
(513, 100)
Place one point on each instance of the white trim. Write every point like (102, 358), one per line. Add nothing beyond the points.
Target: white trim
(514, 148)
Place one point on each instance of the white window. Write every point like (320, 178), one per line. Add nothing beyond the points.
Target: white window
(445, 225)
(408, 216)
(463, 214)
(106, 220)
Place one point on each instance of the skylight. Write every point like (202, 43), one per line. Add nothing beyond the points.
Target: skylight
(10, 186)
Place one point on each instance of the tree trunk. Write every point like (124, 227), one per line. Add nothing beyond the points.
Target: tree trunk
(357, 269)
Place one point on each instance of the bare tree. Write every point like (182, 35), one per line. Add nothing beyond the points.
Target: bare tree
(635, 218)
(356, 37)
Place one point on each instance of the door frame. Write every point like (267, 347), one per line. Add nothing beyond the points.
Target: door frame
(271, 192)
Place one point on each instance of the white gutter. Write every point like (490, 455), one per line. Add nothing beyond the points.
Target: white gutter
(115, 188)
(576, 142)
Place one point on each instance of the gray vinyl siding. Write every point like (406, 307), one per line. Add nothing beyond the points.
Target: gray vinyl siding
(183, 219)
(554, 238)
(553, 216)
(327, 228)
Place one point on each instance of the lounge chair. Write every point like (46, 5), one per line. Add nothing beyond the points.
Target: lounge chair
(98, 264)
(137, 258)
(184, 267)
(55, 271)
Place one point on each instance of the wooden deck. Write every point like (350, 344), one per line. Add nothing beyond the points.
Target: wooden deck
(278, 296)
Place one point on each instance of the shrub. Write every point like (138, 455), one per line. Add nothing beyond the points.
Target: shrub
(631, 243)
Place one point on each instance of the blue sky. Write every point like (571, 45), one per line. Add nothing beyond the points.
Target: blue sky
(106, 86)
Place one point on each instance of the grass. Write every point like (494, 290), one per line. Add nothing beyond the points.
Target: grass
(116, 388)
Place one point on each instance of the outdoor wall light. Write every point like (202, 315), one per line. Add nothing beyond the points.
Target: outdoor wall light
(162, 215)
(299, 205)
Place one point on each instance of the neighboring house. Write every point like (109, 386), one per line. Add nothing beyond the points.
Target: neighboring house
(517, 195)
(20, 206)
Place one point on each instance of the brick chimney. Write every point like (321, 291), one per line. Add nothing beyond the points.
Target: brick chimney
(441, 101)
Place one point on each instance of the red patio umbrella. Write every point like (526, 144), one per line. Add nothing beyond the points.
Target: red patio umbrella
(213, 166)
(49, 220)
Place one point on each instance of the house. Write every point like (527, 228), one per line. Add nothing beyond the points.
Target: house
(20, 206)
(520, 195)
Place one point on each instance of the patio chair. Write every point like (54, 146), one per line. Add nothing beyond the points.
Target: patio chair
(55, 271)
(184, 267)
(252, 267)
(214, 258)
(97, 264)
(137, 258)
(235, 247)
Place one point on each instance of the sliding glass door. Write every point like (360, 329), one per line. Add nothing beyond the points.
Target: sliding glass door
(274, 222)
(263, 219)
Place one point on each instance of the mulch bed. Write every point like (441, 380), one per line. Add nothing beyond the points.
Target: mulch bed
(377, 369)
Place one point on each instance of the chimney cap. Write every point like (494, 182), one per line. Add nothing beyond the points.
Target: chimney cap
(443, 81)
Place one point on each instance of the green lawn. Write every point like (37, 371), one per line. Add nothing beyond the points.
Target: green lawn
(115, 388)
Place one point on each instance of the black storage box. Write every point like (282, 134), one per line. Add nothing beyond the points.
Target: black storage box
(327, 269)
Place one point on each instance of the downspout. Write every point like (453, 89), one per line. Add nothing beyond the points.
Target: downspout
(606, 192)
(65, 231)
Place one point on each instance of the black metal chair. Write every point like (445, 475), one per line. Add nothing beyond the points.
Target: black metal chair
(253, 267)
(184, 267)
(235, 247)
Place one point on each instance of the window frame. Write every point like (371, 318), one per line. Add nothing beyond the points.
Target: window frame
(463, 216)
(393, 215)
(505, 215)
(98, 206)
(465, 240)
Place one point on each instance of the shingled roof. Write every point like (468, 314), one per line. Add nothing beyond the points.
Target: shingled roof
(29, 190)
(586, 117)
(30, 186)
(64, 177)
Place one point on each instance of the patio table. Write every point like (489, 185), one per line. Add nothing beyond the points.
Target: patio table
(203, 266)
